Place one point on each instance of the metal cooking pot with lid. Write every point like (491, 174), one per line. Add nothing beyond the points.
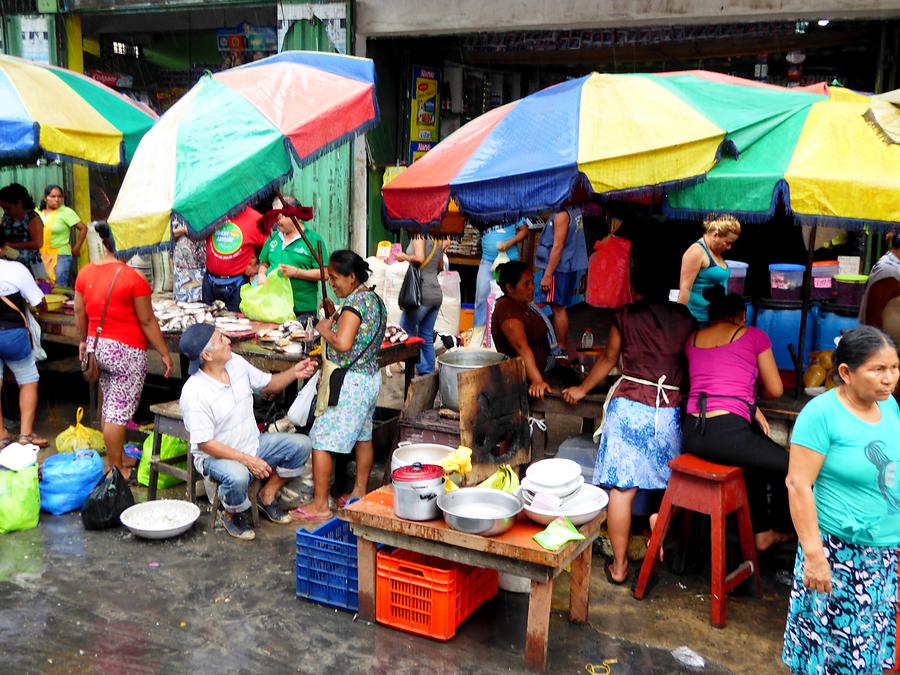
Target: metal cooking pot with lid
(416, 490)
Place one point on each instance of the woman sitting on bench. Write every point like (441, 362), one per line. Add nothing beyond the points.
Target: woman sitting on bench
(726, 359)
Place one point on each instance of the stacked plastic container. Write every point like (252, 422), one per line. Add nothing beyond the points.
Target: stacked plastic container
(737, 277)
(822, 279)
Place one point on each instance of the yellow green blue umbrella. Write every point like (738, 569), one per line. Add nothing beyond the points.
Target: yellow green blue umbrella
(826, 164)
(54, 113)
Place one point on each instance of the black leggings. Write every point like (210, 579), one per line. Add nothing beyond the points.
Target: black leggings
(732, 440)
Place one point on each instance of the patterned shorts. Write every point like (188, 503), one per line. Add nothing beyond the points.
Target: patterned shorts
(339, 428)
(122, 372)
(851, 630)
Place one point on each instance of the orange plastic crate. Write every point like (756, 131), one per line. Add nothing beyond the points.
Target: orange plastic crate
(429, 596)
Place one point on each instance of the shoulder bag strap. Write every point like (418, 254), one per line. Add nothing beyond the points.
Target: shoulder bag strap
(374, 337)
(106, 304)
(430, 256)
(24, 320)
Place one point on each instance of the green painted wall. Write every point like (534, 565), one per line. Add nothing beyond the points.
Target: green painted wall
(324, 184)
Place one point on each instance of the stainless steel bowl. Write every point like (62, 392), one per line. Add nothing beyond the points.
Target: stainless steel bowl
(483, 511)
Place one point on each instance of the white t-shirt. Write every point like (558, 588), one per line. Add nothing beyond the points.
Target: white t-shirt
(15, 278)
(216, 411)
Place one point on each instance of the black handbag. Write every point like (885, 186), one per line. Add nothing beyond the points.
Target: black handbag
(337, 374)
(410, 296)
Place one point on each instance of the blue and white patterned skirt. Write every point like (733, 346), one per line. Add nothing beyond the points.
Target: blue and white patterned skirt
(852, 629)
(632, 453)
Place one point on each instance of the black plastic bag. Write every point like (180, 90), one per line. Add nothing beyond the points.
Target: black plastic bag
(106, 502)
(410, 296)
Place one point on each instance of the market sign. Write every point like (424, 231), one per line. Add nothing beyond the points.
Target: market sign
(247, 38)
(119, 80)
(424, 111)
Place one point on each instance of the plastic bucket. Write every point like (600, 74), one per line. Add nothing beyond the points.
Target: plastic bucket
(822, 285)
(737, 276)
(849, 288)
(786, 281)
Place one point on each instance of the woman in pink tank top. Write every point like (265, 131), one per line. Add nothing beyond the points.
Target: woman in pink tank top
(726, 362)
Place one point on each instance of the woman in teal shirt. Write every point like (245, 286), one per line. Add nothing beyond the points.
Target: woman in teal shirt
(845, 503)
(702, 264)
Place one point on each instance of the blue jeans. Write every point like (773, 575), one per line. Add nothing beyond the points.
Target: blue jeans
(226, 289)
(482, 291)
(286, 453)
(419, 322)
(65, 265)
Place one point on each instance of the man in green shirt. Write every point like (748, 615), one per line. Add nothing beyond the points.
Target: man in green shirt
(286, 251)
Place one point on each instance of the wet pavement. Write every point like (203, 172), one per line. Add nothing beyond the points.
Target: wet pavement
(73, 601)
(107, 602)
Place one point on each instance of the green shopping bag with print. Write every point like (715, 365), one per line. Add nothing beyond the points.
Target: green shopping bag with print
(20, 499)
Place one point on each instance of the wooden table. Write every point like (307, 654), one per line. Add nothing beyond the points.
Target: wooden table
(589, 409)
(272, 361)
(167, 419)
(373, 521)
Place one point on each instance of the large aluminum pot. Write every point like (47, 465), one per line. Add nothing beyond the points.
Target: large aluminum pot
(407, 454)
(457, 361)
(416, 491)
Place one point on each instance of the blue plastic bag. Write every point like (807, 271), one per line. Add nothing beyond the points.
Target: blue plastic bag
(67, 480)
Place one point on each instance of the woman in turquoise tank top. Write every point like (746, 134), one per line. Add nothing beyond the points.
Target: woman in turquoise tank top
(702, 265)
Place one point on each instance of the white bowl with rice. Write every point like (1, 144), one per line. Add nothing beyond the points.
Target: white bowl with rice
(160, 519)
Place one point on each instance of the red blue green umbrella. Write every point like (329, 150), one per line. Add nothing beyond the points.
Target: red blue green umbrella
(235, 137)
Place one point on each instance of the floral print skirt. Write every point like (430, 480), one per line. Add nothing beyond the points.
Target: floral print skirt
(852, 629)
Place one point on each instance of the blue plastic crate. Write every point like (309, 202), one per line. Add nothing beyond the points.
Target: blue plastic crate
(326, 565)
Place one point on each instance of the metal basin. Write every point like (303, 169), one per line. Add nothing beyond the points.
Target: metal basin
(457, 361)
(483, 511)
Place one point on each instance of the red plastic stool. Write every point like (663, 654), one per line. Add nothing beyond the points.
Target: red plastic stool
(716, 490)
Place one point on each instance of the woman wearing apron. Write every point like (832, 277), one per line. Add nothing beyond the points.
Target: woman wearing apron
(641, 429)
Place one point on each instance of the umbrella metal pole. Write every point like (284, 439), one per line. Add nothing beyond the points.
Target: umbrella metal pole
(807, 279)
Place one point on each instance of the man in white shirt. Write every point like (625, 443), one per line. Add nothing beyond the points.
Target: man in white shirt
(217, 406)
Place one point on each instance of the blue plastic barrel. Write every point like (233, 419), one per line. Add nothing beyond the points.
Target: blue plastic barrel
(831, 323)
(781, 322)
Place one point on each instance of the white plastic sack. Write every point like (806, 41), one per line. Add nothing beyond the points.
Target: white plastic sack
(376, 278)
(302, 406)
(161, 264)
(393, 280)
(447, 322)
(94, 243)
(35, 328)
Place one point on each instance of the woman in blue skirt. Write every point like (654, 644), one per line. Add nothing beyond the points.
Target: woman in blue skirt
(641, 426)
(845, 502)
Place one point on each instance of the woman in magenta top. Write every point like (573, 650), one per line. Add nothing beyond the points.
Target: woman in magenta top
(726, 361)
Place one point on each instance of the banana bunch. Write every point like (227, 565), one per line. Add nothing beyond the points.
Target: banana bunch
(504, 478)
(459, 461)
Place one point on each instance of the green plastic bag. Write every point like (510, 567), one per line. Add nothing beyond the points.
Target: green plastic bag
(273, 302)
(169, 448)
(20, 499)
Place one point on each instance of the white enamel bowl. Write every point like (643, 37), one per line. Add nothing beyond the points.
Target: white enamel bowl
(553, 473)
(581, 509)
(161, 518)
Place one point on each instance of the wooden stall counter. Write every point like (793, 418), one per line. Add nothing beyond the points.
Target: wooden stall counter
(373, 521)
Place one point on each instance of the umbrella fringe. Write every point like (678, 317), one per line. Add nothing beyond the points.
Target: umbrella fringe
(651, 190)
(334, 144)
(128, 253)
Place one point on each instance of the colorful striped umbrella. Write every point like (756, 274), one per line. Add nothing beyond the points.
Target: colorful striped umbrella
(826, 164)
(607, 134)
(55, 113)
(232, 139)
